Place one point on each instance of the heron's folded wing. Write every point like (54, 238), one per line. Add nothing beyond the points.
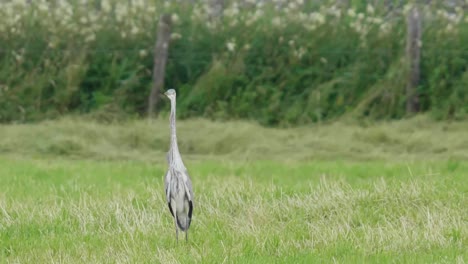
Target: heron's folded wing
(189, 190)
(188, 184)
(167, 179)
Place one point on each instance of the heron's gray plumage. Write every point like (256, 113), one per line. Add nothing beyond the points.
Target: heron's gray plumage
(177, 182)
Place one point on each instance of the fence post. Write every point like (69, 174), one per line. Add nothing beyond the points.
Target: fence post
(160, 59)
(413, 54)
(217, 8)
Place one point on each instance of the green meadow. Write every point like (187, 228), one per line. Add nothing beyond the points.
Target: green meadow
(282, 132)
(77, 191)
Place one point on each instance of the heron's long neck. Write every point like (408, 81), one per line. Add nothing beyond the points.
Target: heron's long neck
(172, 120)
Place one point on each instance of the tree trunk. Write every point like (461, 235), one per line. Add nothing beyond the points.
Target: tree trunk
(413, 54)
(160, 59)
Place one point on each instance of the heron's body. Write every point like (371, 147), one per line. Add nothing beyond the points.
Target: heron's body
(177, 182)
(180, 203)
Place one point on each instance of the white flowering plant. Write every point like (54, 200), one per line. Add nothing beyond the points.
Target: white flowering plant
(80, 55)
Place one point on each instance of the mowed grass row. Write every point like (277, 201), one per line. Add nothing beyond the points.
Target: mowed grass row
(55, 210)
(417, 138)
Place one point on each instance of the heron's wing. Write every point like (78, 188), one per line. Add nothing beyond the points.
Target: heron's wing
(167, 180)
(189, 190)
(188, 184)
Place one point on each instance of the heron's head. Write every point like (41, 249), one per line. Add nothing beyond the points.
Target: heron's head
(171, 94)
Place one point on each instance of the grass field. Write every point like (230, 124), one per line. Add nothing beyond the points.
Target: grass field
(80, 192)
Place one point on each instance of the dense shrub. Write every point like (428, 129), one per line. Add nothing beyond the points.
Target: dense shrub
(305, 61)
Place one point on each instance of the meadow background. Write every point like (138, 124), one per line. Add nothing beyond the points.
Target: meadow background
(292, 124)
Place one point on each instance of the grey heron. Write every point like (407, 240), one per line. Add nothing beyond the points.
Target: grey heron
(177, 182)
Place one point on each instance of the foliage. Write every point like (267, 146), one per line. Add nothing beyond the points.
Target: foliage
(299, 63)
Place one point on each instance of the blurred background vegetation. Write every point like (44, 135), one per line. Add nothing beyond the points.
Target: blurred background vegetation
(279, 63)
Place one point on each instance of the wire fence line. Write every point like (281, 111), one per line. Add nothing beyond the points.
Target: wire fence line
(183, 53)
